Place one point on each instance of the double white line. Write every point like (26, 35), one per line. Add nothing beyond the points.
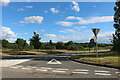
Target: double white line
(103, 73)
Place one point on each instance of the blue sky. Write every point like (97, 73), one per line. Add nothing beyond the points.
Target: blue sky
(57, 21)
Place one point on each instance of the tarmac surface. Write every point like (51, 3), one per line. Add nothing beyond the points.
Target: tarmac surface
(36, 66)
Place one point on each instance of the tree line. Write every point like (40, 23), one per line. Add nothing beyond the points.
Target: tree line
(116, 36)
(35, 43)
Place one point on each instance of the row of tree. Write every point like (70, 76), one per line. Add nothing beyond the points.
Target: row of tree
(35, 43)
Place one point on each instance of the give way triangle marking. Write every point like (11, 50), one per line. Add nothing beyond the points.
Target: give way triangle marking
(54, 61)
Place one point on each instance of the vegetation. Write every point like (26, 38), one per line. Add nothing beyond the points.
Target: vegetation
(116, 36)
(35, 41)
(105, 58)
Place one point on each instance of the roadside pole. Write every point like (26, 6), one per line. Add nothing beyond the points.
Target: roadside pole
(96, 31)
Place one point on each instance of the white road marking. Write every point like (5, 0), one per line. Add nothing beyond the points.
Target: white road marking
(26, 68)
(8, 63)
(61, 69)
(117, 72)
(103, 74)
(54, 61)
(80, 72)
(101, 71)
(42, 70)
(46, 68)
(14, 67)
(19, 66)
(58, 71)
(34, 67)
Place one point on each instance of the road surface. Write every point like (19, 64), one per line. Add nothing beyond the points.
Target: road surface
(36, 66)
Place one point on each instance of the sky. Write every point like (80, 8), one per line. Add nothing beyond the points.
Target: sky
(57, 21)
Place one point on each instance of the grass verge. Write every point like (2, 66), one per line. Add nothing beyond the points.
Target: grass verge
(105, 58)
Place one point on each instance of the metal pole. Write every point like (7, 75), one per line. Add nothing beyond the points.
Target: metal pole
(96, 48)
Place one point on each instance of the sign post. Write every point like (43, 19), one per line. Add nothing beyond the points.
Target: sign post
(96, 31)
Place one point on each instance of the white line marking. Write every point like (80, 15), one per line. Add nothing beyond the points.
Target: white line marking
(117, 72)
(26, 68)
(103, 74)
(34, 67)
(18, 66)
(46, 68)
(59, 71)
(101, 71)
(8, 63)
(42, 70)
(14, 67)
(80, 72)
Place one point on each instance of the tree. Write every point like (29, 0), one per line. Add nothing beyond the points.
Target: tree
(21, 44)
(35, 41)
(116, 36)
(60, 45)
(5, 43)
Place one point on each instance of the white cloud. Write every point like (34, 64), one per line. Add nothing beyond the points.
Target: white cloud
(96, 20)
(53, 10)
(65, 23)
(22, 33)
(80, 36)
(33, 19)
(68, 31)
(78, 28)
(5, 2)
(29, 6)
(11, 40)
(73, 18)
(106, 34)
(85, 21)
(6, 32)
(49, 35)
(75, 6)
(20, 9)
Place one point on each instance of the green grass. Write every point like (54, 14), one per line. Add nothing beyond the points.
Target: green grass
(104, 58)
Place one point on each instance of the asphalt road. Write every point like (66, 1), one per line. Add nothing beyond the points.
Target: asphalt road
(37, 67)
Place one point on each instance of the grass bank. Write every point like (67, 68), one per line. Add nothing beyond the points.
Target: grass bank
(105, 58)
